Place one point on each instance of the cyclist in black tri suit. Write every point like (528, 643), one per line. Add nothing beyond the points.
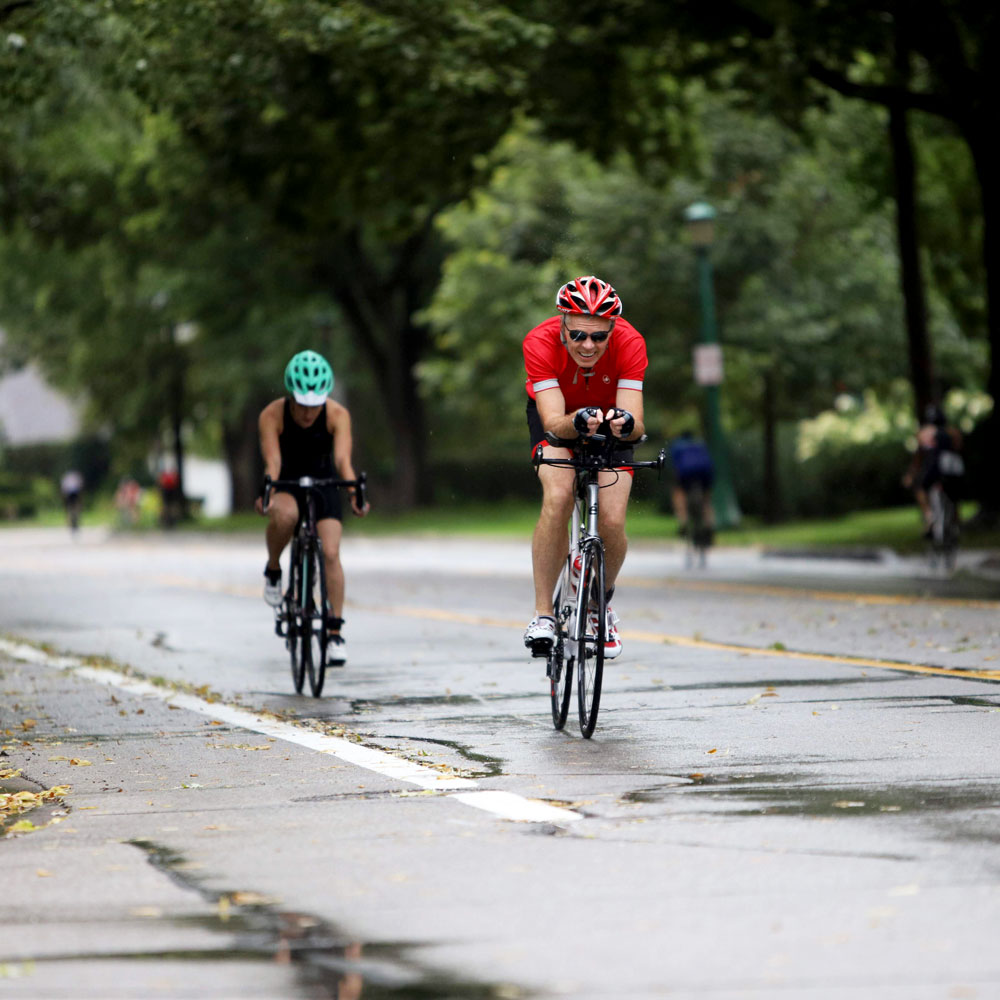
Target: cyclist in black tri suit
(308, 434)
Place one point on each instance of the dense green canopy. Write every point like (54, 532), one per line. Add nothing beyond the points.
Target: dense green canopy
(193, 190)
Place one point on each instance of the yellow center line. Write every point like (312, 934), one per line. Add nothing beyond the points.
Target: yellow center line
(773, 590)
(664, 638)
(658, 638)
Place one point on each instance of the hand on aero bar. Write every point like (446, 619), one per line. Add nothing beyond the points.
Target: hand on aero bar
(587, 420)
(622, 423)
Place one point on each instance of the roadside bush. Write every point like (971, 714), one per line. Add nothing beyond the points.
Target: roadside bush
(849, 458)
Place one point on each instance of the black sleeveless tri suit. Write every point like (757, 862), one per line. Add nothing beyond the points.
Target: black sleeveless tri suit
(308, 451)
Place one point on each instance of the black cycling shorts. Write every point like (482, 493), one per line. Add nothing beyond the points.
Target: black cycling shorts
(326, 499)
(703, 476)
(536, 431)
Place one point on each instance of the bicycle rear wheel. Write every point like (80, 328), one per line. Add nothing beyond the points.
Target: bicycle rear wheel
(314, 636)
(590, 646)
(696, 526)
(293, 617)
(944, 529)
(560, 668)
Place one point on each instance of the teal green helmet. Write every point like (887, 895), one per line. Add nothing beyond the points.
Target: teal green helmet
(309, 378)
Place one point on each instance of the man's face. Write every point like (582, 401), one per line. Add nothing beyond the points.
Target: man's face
(586, 353)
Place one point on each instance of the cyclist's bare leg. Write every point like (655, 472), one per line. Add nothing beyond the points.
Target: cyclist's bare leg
(924, 503)
(680, 501)
(549, 544)
(708, 511)
(611, 522)
(330, 531)
(282, 516)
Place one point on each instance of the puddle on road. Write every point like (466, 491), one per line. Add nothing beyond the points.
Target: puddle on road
(491, 767)
(326, 963)
(783, 794)
(360, 706)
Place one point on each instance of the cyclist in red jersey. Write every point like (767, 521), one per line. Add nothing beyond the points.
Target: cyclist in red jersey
(585, 374)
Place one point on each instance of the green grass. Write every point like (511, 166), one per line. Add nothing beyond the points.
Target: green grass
(896, 528)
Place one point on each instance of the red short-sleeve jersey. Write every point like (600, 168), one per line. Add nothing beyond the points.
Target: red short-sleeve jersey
(549, 366)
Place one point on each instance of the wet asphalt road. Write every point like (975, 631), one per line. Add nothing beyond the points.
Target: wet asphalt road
(793, 788)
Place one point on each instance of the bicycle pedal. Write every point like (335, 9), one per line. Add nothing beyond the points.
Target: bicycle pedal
(540, 647)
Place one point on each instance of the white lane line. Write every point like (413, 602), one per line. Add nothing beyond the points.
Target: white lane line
(511, 806)
(505, 805)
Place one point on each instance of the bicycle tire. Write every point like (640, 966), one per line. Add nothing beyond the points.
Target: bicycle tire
(292, 619)
(314, 617)
(590, 645)
(944, 529)
(560, 668)
(695, 525)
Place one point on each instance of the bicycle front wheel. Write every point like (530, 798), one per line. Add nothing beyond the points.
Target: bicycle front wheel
(560, 668)
(314, 635)
(293, 625)
(590, 630)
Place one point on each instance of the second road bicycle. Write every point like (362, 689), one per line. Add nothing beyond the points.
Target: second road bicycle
(301, 618)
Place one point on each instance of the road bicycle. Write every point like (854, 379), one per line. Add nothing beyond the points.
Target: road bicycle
(301, 618)
(944, 528)
(698, 534)
(580, 596)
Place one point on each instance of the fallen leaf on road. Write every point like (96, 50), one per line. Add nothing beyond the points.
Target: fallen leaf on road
(43, 873)
(146, 911)
(251, 899)
(846, 804)
(713, 750)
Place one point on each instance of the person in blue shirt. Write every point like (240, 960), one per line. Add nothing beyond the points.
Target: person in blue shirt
(692, 464)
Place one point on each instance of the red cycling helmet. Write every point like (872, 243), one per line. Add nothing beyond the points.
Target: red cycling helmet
(588, 296)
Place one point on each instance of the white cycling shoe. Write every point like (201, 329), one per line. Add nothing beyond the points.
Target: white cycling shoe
(336, 651)
(540, 635)
(612, 640)
(272, 589)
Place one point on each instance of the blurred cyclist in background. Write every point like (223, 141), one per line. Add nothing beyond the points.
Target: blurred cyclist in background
(692, 464)
(71, 487)
(937, 463)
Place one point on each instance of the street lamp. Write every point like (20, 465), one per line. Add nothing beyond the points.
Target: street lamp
(700, 219)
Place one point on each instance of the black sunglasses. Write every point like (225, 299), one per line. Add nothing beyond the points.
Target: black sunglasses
(579, 336)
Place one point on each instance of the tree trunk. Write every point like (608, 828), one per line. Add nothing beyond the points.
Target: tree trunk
(987, 161)
(772, 507)
(379, 308)
(911, 277)
(240, 442)
(177, 408)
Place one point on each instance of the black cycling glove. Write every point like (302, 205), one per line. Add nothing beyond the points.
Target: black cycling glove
(581, 418)
(629, 424)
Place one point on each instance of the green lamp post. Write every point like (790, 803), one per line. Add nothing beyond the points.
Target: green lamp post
(700, 219)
